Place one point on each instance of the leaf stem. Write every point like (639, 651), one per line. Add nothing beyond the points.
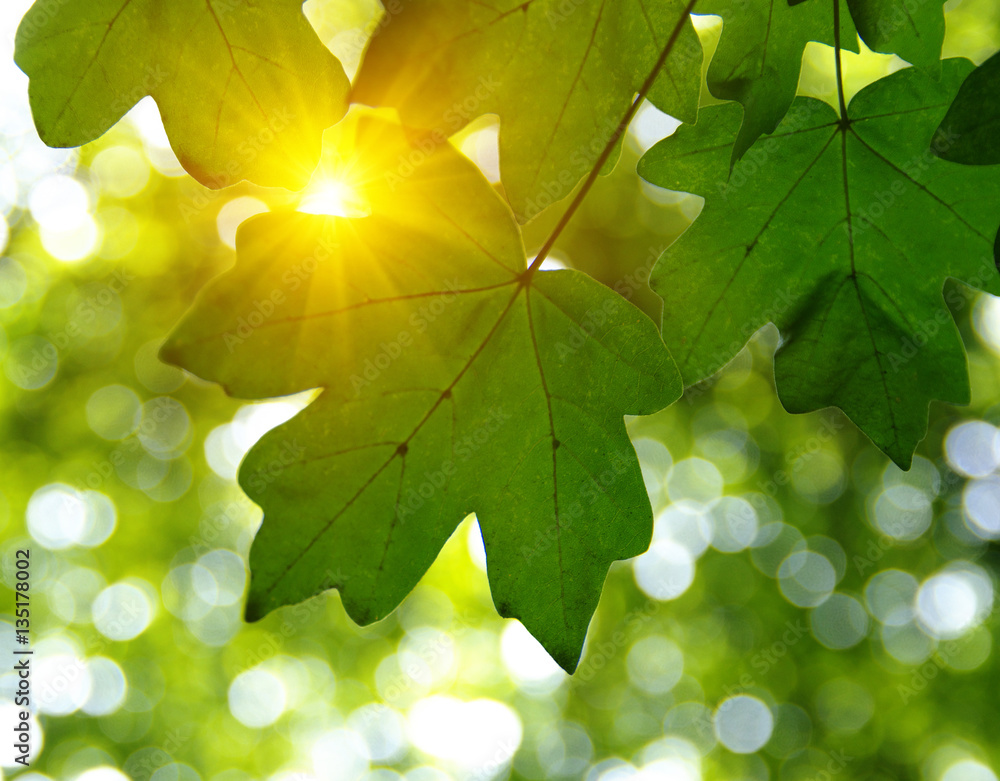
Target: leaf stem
(840, 70)
(619, 131)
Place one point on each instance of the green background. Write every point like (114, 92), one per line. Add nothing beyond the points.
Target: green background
(852, 601)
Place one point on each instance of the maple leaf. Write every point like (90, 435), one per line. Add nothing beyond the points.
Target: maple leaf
(244, 90)
(842, 234)
(560, 76)
(759, 57)
(455, 380)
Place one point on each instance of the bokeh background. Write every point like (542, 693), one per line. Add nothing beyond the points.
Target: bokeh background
(806, 611)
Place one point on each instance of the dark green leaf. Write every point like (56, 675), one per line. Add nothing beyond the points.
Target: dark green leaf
(974, 118)
(842, 237)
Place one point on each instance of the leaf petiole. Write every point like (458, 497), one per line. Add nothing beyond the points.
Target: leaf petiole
(609, 147)
(844, 120)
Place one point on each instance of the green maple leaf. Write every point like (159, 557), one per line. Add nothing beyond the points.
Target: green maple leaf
(453, 380)
(759, 56)
(974, 118)
(842, 235)
(244, 89)
(559, 75)
(914, 31)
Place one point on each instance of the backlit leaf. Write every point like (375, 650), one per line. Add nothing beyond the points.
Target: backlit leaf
(453, 382)
(560, 75)
(244, 89)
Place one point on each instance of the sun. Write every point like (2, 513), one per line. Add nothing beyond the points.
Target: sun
(334, 197)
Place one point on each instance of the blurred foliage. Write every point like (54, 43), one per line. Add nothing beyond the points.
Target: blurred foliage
(792, 563)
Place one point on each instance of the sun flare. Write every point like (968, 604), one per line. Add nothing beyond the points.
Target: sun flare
(334, 197)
